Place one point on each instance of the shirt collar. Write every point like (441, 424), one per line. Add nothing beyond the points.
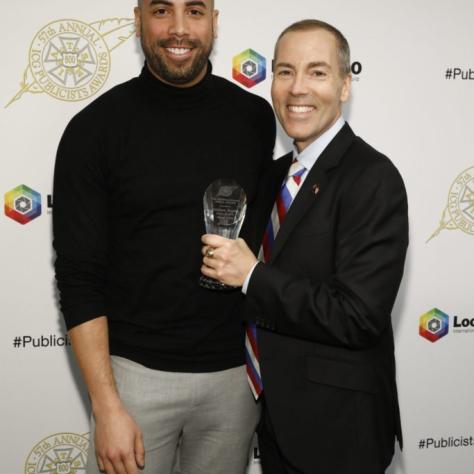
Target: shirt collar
(312, 152)
(178, 97)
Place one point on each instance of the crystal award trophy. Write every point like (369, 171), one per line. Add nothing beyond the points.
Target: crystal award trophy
(225, 204)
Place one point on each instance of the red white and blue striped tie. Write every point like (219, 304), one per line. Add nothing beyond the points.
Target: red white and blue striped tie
(283, 202)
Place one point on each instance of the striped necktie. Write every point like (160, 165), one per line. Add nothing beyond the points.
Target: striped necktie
(283, 202)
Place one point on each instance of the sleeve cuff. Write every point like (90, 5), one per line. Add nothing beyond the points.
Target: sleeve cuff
(247, 280)
(74, 316)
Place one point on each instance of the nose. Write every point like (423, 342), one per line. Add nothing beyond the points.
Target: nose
(179, 25)
(298, 85)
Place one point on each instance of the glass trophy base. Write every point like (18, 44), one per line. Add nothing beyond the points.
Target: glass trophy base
(211, 284)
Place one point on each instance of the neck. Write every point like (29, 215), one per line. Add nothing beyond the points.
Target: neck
(192, 83)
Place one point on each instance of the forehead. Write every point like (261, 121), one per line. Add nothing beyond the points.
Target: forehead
(307, 46)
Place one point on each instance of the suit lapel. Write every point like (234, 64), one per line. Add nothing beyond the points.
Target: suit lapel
(313, 186)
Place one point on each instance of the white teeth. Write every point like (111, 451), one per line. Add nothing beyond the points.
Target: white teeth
(178, 51)
(300, 109)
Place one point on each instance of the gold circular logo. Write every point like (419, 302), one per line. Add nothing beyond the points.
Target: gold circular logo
(461, 201)
(62, 453)
(69, 60)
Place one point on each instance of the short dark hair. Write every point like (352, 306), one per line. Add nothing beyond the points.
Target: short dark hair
(343, 50)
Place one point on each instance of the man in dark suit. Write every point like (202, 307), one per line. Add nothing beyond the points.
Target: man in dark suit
(333, 257)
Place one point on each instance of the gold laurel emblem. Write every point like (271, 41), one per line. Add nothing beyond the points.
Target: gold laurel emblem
(70, 60)
(61, 453)
(459, 211)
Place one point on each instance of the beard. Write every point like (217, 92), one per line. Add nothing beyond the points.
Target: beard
(169, 72)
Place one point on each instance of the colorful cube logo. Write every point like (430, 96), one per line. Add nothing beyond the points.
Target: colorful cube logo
(434, 325)
(249, 68)
(22, 204)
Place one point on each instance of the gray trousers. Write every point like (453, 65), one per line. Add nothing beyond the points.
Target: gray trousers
(191, 423)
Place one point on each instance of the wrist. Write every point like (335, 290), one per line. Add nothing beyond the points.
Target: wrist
(106, 404)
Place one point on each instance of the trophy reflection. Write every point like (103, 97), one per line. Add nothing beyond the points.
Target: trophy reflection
(225, 204)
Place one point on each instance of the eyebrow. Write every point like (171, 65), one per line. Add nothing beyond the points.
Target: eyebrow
(192, 3)
(310, 65)
(288, 65)
(319, 64)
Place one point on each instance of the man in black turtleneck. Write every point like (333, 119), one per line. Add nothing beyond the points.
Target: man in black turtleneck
(162, 358)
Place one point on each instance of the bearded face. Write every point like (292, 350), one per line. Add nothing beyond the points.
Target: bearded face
(177, 39)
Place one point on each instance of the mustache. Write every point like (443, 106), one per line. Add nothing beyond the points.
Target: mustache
(178, 43)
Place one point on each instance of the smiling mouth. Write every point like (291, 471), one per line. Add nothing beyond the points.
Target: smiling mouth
(301, 109)
(179, 51)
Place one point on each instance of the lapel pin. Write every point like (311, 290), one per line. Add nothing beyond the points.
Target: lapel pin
(316, 189)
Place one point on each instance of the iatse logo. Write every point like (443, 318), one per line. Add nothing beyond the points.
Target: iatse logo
(59, 453)
(458, 213)
(70, 60)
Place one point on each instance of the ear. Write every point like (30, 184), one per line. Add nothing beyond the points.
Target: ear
(215, 22)
(346, 88)
(138, 21)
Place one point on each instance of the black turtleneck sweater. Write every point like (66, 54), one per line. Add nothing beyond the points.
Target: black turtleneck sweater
(130, 175)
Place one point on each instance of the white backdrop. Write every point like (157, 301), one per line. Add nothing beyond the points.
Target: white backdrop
(412, 99)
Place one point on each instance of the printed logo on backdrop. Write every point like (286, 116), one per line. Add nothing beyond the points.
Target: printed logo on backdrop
(459, 211)
(434, 325)
(44, 341)
(448, 442)
(254, 455)
(249, 68)
(356, 70)
(70, 60)
(457, 73)
(22, 204)
(59, 453)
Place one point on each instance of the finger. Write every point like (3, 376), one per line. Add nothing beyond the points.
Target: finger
(130, 464)
(213, 240)
(209, 272)
(108, 468)
(241, 242)
(140, 450)
(119, 466)
(100, 464)
(211, 262)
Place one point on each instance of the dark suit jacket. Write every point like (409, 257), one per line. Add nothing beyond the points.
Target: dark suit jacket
(322, 306)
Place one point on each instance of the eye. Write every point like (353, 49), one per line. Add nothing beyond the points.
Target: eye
(160, 12)
(318, 73)
(196, 12)
(284, 72)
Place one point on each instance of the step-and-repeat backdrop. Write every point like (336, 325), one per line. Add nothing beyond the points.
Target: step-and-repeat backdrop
(412, 98)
